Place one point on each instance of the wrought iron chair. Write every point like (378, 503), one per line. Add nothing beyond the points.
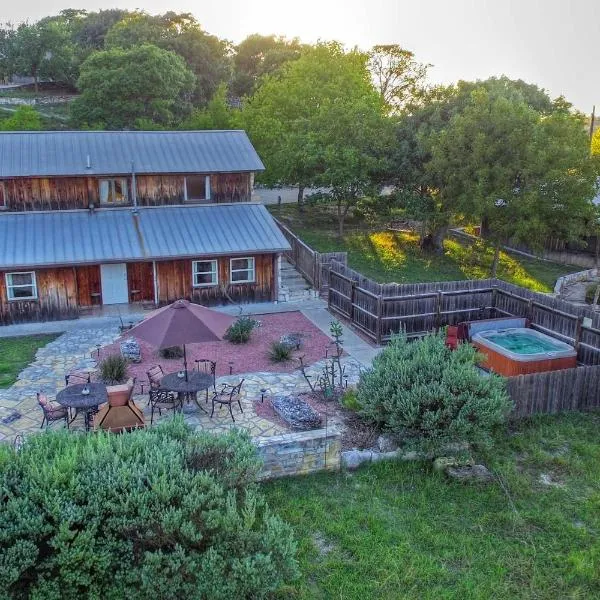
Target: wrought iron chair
(160, 400)
(205, 365)
(227, 395)
(74, 378)
(53, 411)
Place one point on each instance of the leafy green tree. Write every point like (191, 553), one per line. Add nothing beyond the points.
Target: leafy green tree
(260, 55)
(398, 77)
(43, 51)
(596, 143)
(216, 115)
(120, 86)
(25, 118)
(526, 175)
(319, 121)
(205, 55)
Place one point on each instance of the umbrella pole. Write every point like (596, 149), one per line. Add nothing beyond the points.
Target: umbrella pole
(185, 363)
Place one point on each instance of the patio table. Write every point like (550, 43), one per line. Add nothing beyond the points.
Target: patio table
(187, 387)
(73, 397)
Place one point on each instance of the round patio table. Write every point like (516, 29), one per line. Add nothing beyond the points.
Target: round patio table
(186, 388)
(72, 397)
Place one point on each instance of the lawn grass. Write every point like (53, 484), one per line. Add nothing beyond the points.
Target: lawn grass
(16, 353)
(401, 530)
(388, 256)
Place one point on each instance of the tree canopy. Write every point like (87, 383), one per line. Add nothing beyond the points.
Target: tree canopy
(120, 87)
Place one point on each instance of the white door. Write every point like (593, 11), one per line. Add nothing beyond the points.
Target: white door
(114, 284)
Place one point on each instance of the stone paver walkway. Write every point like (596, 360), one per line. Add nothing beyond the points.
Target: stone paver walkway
(72, 351)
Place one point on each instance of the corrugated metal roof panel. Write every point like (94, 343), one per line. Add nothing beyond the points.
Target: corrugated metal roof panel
(62, 153)
(117, 235)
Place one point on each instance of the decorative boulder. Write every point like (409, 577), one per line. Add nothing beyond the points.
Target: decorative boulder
(292, 340)
(296, 412)
(130, 349)
(478, 473)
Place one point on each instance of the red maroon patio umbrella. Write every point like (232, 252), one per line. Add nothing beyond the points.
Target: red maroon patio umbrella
(182, 323)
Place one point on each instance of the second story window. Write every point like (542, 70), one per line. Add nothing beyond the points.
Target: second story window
(113, 191)
(197, 188)
(2, 195)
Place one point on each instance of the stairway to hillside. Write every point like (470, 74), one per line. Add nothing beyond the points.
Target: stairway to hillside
(293, 288)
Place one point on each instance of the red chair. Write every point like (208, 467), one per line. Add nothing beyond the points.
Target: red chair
(452, 337)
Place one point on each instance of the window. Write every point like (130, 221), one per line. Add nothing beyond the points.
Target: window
(21, 286)
(242, 270)
(197, 188)
(204, 272)
(2, 195)
(113, 191)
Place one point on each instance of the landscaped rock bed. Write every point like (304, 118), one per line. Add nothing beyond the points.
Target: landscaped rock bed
(296, 412)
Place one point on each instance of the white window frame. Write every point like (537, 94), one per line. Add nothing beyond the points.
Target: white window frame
(206, 189)
(251, 269)
(214, 271)
(10, 287)
(111, 191)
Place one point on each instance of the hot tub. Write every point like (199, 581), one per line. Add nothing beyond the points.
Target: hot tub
(519, 351)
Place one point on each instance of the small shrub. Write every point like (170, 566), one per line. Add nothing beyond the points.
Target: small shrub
(114, 369)
(349, 400)
(280, 352)
(431, 396)
(171, 352)
(159, 513)
(590, 292)
(239, 332)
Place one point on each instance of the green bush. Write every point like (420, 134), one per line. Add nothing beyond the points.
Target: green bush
(349, 400)
(280, 352)
(161, 513)
(239, 332)
(430, 396)
(590, 292)
(171, 352)
(114, 369)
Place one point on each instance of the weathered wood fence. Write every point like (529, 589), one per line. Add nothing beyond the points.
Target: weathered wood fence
(555, 391)
(381, 310)
(313, 265)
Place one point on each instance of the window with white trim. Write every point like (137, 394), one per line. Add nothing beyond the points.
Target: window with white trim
(21, 286)
(197, 188)
(113, 191)
(205, 273)
(242, 270)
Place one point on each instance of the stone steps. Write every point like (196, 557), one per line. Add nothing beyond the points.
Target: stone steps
(294, 288)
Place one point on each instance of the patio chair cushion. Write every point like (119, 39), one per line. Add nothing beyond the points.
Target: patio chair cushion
(52, 409)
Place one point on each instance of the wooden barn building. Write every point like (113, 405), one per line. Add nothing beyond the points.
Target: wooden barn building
(97, 218)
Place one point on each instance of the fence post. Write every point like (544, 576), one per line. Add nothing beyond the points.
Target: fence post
(578, 332)
(379, 323)
(529, 314)
(494, 300)
(352, 294)
(329, 287)
(438, 310)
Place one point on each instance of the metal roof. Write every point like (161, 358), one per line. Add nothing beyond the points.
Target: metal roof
(37, 239)
(61, 153)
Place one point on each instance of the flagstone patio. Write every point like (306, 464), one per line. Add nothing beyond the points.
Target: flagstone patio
(73, 350)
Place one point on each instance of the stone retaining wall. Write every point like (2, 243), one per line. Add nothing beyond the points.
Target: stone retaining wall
(299, 453)
(571, 277)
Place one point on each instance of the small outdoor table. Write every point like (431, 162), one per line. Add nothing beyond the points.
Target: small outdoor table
(72, 397)
(186, 388)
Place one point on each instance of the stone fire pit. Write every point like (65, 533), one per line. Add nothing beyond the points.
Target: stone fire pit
(297, 413)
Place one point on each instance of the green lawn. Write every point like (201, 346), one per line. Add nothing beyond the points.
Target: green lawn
(16, 353)
(401, 530)
(396, 257)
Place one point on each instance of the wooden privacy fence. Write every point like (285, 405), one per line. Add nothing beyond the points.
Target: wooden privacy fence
(314, 266)
(555, 391)
(381, 310)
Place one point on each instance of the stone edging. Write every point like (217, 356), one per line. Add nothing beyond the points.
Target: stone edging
(571, 277)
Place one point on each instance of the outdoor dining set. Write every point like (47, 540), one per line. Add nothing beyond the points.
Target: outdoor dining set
(112, 407)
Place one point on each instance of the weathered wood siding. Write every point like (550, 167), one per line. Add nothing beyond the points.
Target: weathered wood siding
(67, 193)
(140, 282)
(89, 290)
(57, 298)
(175, 281)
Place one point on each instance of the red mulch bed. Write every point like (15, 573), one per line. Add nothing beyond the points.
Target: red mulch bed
(246, 358)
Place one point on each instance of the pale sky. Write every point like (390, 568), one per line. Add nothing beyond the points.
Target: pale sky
(553, 43)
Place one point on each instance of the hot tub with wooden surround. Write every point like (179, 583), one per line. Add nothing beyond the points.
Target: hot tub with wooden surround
(518, 351)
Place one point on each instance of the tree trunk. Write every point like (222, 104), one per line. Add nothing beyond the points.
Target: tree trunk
(496, 260)
(438, 236)
(35, 80)
(597, 257)
(341, 218)
(301, 198)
